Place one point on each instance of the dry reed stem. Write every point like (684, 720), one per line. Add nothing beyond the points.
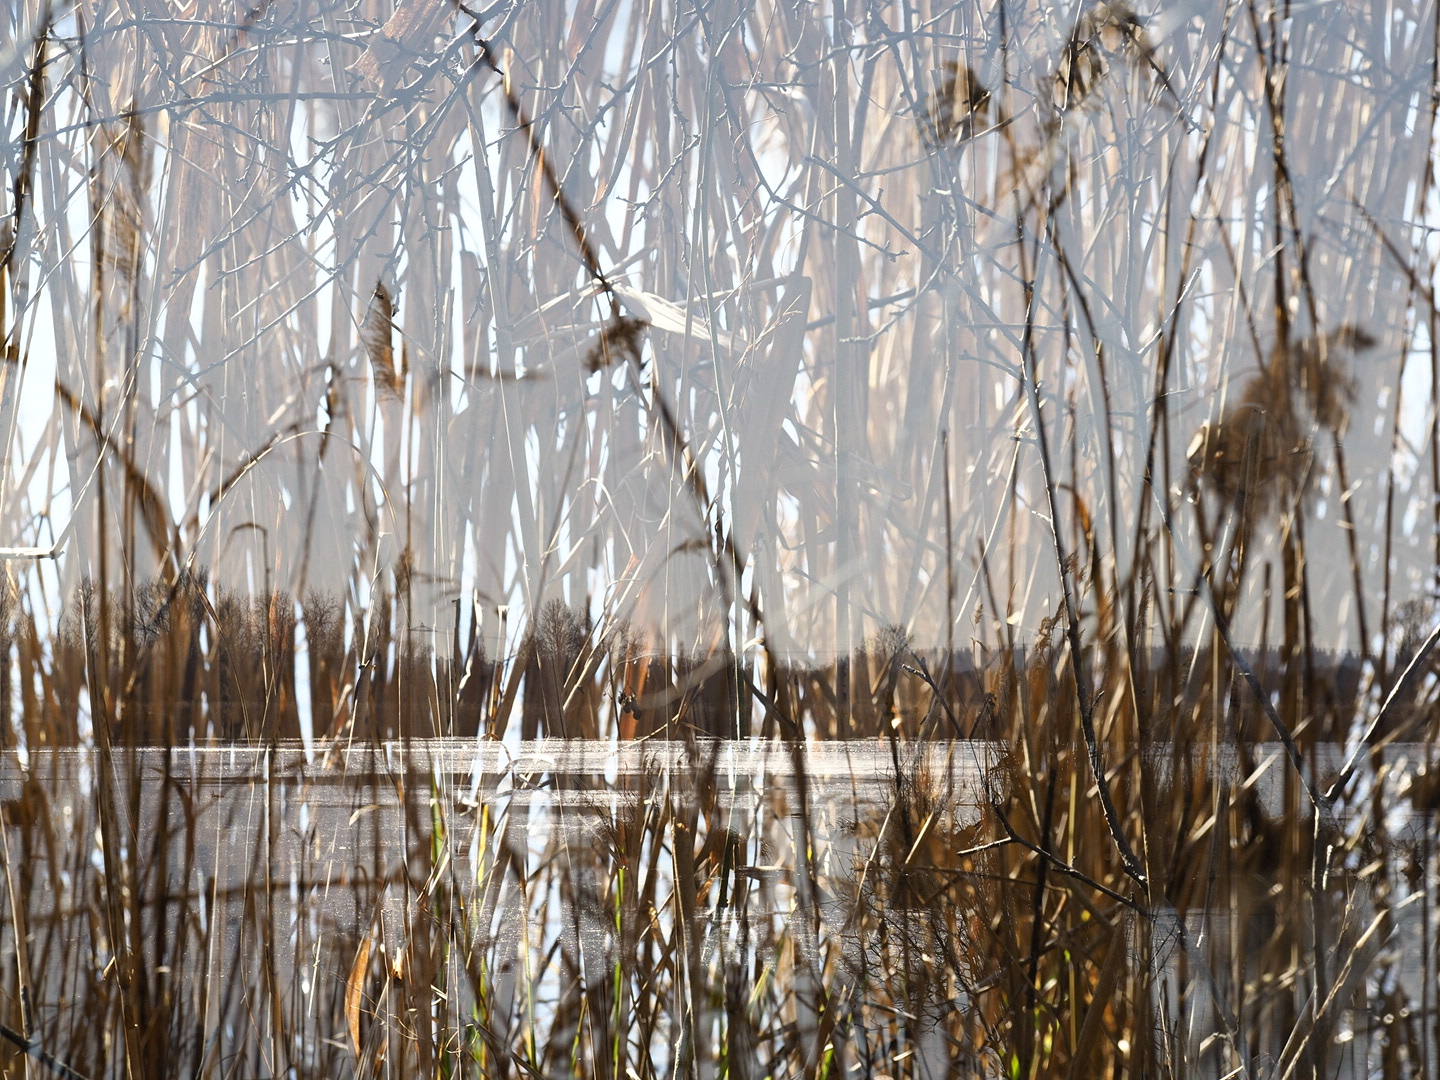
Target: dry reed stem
(838, 297)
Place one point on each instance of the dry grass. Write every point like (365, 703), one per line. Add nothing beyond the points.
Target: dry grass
(802, 928)
(702, 381)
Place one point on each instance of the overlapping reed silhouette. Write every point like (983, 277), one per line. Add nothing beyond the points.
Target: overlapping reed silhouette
(392, 446)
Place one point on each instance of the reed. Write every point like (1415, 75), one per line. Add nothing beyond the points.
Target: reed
(670, 541)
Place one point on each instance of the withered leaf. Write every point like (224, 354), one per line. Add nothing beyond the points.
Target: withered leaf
(1260, 450)
(377, 334)
(959, 101)
(619, 340)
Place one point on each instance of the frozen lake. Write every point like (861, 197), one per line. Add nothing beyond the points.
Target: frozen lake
(263, 874)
